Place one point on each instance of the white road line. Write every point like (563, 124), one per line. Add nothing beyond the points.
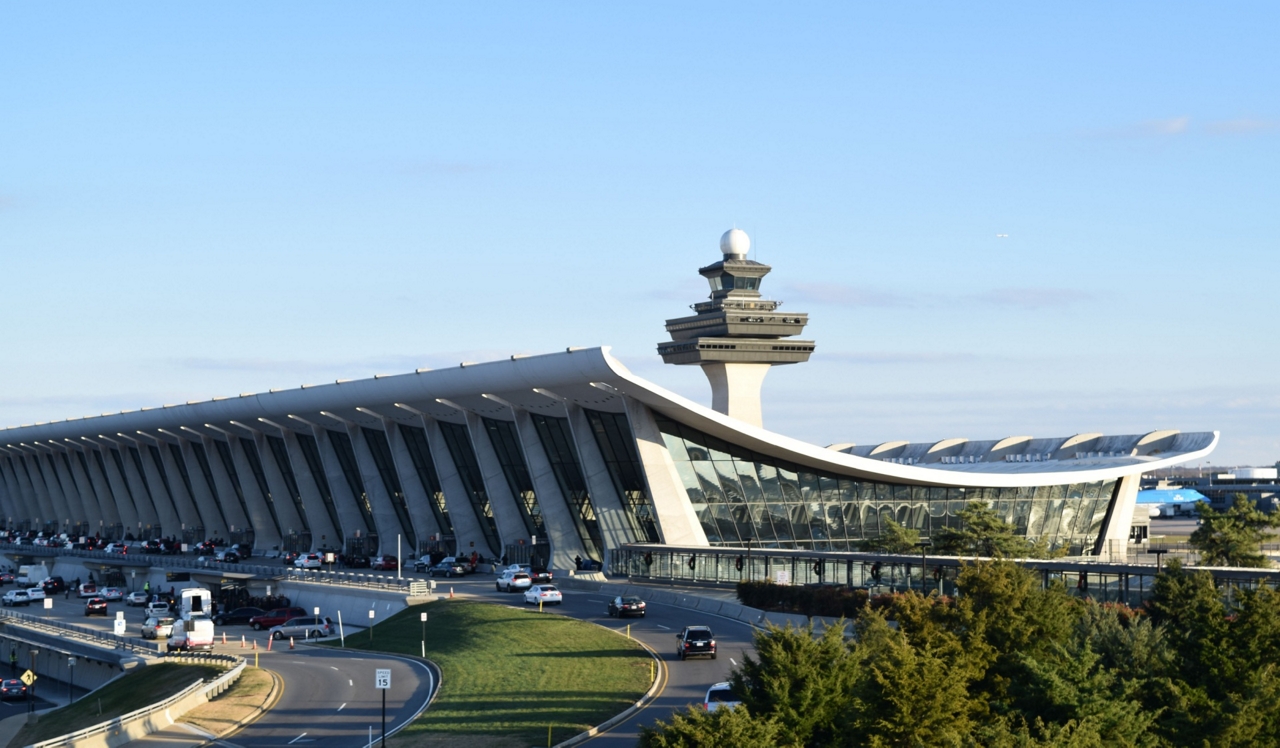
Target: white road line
(735, 662)
(344, 706)
(350, 682)
(331, 667)
(598, 601)
(300, 737)
(668, 628)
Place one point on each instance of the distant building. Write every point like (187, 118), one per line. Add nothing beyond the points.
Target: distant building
(557, 456)
(1261, 485)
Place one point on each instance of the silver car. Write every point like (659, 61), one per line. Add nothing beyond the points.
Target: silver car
(306, 627)
(156, 628)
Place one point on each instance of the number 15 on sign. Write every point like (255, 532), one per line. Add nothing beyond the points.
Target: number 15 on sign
(382, 678)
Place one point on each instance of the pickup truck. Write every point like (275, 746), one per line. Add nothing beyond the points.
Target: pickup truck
(695, 641)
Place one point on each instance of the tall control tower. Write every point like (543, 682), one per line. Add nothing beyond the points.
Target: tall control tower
(736, 336)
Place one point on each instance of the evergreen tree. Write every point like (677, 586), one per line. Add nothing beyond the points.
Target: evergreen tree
(695, 728)
(1233, 537)
(893, 538)
(983, 532)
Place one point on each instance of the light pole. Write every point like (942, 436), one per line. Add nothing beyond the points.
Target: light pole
(424, 634)
(749, 558)
(71, 669)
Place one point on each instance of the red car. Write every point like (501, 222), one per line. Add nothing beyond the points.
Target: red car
(386, 563)
(95, 606)
(275, 617)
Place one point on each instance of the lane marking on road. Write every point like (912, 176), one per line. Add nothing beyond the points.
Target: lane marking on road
(350, 682)
(668, 628)
(344, 706)
(300, 737)
(598, 601)
(735, 662)
(331, 667)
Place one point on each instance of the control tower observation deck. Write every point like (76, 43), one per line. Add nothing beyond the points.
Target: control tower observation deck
(735, 336)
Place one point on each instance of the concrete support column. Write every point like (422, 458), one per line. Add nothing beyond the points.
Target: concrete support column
(17, 500)
(615, 527)
(343, 500)
(286, 509)
(35, 478)
(562, 531)
(466, 522)
(6, 489)
(215, 523)
(735, 389)
(384, 514)
(511, 527)
(323, 530)
(56, 492)
(71, 488)
(1113, 540)
(232, 510)
(672, 510)
(415, 494)
(184, 504)
(125, 504)
(88, 488)
(142, 491)
(166, 510)
(266, 533)
(107, 502)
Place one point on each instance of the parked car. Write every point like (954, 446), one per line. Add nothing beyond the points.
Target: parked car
(12, 688)
(547, 594)
(112, 594)
(239, 615)
(156, 627)
(513, 581)
(227, 557)
(386, 563)
(464, 561)
(447, 569)
(309, 561)
(36, 593)
(539, 576)
(242, 550)
(6, 577)
(626, 606)
(117, 548)
(720, 695)
(16, 597)
(695, 641)
(422, 564)
(137, 598)
(157, 609)
(289, 557)
(275, 617)
(95, 606)
(356, 561)
(54, 585)
(303, 627)
(88, 589)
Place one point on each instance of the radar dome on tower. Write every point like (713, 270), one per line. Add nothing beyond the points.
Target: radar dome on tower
(735, 243)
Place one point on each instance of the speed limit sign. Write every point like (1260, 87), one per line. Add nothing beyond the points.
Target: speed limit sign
(382, 678)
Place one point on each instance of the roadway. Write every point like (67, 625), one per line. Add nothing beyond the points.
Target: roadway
(324, 698)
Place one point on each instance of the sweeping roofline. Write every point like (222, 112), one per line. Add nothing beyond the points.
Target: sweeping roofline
(593, 378)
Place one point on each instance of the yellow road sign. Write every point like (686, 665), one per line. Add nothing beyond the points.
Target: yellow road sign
(28, 677)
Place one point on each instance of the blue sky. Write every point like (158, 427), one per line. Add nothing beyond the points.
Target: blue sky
(208, 200)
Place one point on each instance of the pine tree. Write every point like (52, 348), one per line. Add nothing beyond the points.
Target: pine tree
(695, 728)
(893, 538)
(983, 532)
(1233, 537)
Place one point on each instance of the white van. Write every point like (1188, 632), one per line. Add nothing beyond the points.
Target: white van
(196, 633)
(195, 602)
(29, 576)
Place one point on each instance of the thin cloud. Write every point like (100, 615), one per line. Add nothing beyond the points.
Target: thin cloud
(839, 294)
(1245, 126)
(1033, 298)
(1152, 128)
(883, 358)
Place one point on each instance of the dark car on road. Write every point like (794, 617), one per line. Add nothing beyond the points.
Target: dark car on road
(12, 688)
(447, 569)
(695, 641)
(386, 563)
(54, 585)
(626, 606)
(357, 562)
(239, 615)
(275, 618)
(95, 606)
(6, 577)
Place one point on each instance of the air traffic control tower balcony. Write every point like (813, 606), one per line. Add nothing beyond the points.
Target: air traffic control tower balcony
(736, 335)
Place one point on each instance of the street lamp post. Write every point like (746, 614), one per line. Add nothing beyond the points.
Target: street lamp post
(749, 558)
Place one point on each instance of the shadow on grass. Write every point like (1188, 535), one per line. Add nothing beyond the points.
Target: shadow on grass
(624, 654)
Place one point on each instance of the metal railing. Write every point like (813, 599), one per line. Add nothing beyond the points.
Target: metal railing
(77, 633)
(211, 689)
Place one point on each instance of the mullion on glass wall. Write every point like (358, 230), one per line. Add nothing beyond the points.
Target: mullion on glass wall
(260, 477)
(415, 440)
(351, 472)
(464, 460)
(502, 435)
(280, 453)
(380, 448)
(311, 454)
(556, 441)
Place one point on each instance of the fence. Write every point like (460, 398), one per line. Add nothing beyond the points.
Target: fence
(81, 633)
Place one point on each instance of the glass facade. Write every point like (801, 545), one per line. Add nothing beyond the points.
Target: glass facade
(280, 453)
(311, 453)
(464, 459)
(557, 442)
(739, 494)
(502, 434)
(415, 441)
(612, 432)
(381, 451)
(351, 471)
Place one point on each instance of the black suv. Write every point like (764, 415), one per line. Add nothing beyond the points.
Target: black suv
(54, 585)
(695, 641)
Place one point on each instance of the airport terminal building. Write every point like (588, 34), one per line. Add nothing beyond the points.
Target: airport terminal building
(560, 455)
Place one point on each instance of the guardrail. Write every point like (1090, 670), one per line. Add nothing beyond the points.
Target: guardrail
(175, 706)
(81, 633)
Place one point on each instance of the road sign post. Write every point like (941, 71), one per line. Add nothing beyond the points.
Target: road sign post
(371, 614)
(382, 682)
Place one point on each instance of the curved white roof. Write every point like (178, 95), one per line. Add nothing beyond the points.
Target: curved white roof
(592, 378)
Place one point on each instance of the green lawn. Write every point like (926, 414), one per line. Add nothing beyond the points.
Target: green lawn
(512, 673)
(143, 687)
